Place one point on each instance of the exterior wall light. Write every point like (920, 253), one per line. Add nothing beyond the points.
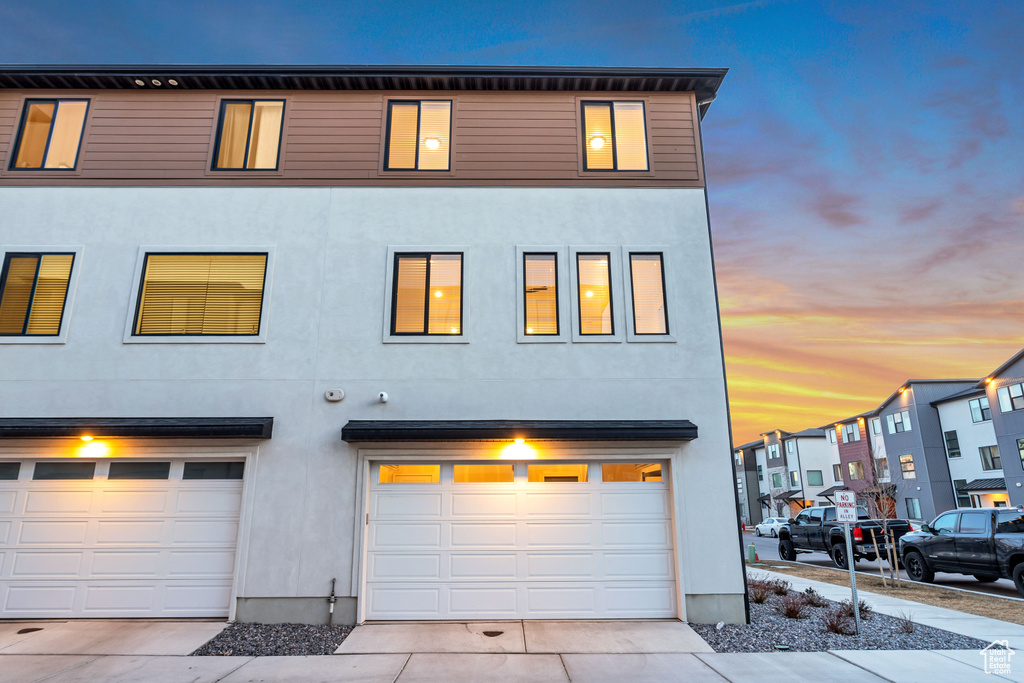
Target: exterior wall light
(85, 437)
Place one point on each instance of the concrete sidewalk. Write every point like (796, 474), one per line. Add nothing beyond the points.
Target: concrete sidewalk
(585, 651)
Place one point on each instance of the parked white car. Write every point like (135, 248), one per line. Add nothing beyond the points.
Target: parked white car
(770, 526)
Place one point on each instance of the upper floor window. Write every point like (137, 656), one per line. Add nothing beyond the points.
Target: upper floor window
(427, 294)
(614, 136)
(980, 411)
(33, 292)
(50, 135)
(777, 480)
(249, 136)
(814, 478)
(851, 432)
(856, 470)
(794, 479)
(876, 426)
(990, 458)
(773, 451)
(540, 294)
(832, 435)
(418, 135)
(837, 473)
(1011, 397)
(593, 273)
(907, 466)
(898, 422)
(882, 468)
(791, 446)
(1020, 450)
(760, 471)
(646, 273)
(201, 294)
(952, 444)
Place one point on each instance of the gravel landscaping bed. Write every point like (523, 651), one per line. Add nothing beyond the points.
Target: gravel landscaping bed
(769, 627)
(275, 640)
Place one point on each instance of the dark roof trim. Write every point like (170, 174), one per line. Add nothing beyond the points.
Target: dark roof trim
(703, 82)
(999, 371)
(139, 427)
(508, 430)
(993, 484)
(751, 444)
(829, 492)
(972, 391)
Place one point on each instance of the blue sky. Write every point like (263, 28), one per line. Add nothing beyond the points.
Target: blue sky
(865, 160)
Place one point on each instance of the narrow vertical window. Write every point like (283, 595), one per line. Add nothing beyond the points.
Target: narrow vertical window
(249, 136)
(540, 278)
(201, 294)
(427, 294)
(418, 136)
(595, 294)
(50, 135)
(33, 289)
(648, 279)
(615, 136)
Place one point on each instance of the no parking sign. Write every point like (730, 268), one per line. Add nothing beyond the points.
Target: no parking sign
(846, 506)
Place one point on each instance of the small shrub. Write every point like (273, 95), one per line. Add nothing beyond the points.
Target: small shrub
(778, 586)
(865, 608)
(794, 606)
(836, 621)
(814, 598)
(904, 622)
(758, 593)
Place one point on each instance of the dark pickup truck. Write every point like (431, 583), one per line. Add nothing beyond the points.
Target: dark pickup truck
(987, 543)
(816, 530)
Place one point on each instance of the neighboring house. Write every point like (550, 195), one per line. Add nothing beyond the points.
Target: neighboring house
(810, 467)
(1004, 388)
(855, 455)
(972, 453)
(777, 472)
(443, 339)
(915, 448)
(749, 475)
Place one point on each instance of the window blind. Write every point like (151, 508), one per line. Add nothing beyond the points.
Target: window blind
(427, 294)
(597, 117)
(541, 296)
(35, 287)
(219, 294)
(595, 299)
(630, 137)
(402, 135)
(648, 294)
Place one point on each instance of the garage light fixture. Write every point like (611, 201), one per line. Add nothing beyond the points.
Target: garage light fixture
(85, 437)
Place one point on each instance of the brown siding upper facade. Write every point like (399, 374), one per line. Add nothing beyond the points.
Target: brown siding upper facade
(332, 138)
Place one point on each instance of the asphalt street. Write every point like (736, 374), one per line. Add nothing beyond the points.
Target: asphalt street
(768, 549)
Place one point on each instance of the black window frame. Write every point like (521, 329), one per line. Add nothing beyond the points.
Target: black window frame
(995, 459)
(7, 467)
(615, 148)
(952, 442)
(426, 293)
(71, 467)
(142, 284)
(664, 291)
(35, 283)
(248, 136)
(164, 468)
(963, 498)
(16, 147)
(558, 294)
(234, 470)
(611, 294)
(982, 409)
(419, 123)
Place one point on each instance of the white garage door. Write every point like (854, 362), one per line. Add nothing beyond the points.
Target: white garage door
(117, 538)
(524, 540)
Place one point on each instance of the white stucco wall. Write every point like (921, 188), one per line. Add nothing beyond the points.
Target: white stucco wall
(956, 415)
(324, 331)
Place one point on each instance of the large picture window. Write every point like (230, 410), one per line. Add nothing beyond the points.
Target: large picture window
(427, 294)
(50, 135)
(249, 135)
(198, 294)
(418, 135)
(33, 292)
(593, 273)
(540, 295)
(614, 136)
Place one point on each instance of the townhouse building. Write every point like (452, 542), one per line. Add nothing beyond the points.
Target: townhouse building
(1004, 389)
(750, 481)
(444, 340)
(972, 453)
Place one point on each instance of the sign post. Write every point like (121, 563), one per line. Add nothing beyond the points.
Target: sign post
(846, 512)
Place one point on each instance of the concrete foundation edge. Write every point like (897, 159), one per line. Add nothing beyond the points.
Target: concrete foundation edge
(715, 607)
(294, 611)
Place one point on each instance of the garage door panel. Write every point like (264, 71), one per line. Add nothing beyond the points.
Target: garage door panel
(204, 531)
(484, 505)
(398, 505)
(644, 503)
(7, 499)
(635, 533)
(405, 566)
(494, 535)
(393, 535)
(58, 502)
(473, 602)
(561, 535)
(120, 598)
(5, 532)
(560, 565)
(209, 501)
(558, 504)
(561, 600)
(201, 564)
(401, 602)
(57, 532)
(31, 599)
(638, 565)
(135, 564)
(630, 600)
(477, 566)
(129, 533)
(52, 564)
(196, 599)
(134, 502)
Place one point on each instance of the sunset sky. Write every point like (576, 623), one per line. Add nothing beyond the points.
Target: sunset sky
(865, 164)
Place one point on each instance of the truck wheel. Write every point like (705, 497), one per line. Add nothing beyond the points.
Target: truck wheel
(839, 556)
(917, 570)
(787, 551)
(986, 578)
(1018, 577)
